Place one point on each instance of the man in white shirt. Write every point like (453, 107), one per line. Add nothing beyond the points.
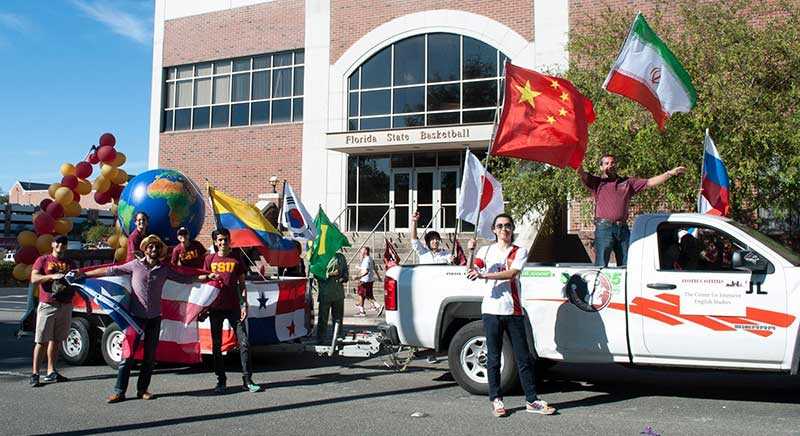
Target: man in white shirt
(366, 279)
(499, 265)
(431, 252)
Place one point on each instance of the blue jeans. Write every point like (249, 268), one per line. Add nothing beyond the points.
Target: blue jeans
(610, 237)
(514, 325)
(152, 329)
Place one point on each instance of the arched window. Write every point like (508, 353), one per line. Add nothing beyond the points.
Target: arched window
(426, 80)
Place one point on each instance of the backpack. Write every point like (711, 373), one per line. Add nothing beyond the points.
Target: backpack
(344, 274)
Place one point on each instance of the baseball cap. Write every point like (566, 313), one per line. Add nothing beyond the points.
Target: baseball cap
(183, 231)
(62, 239)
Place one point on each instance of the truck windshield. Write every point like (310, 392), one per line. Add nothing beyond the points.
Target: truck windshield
(773, 245)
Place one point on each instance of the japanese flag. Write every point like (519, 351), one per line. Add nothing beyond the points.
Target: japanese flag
(491, 197)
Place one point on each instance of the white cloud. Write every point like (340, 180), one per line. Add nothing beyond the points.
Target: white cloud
(15, 22)
(119, 21)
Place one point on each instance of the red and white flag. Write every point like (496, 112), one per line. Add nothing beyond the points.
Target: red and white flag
(481, 195)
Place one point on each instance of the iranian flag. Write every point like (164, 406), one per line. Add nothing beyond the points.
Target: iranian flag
(648, 73)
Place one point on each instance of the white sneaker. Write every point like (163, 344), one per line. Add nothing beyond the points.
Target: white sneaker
(539, 406)
(360, 314)
(498, 408)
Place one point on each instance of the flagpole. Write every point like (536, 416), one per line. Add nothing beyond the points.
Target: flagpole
(702, 171)
(217, 223)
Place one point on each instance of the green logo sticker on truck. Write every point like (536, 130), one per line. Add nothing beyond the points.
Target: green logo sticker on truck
(537, 273)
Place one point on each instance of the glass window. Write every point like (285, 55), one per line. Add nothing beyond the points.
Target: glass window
(299, 57)
(376, 71)
(427, 159)
(261, 85)
(169, 95)
(202, 92)
(353, 104)
(369, 216)
(480, 94)
(260, 62)
(201, 117)
(205, 69)
(352, 178)
(374, 123)
(242, 64)
(240, 114)
(409, 100)
(183, 93)
(443, 118)
(166, 121)
(353, 81)
(444, 51)
(442, 97)
(485, 116)
(282, 82)
(298, 81)
(182, 119)
(281, 111)
(241, 87)
(260, 112)
(297, 109)
(373, 180)
(409, 61)
(170, 73)
(222, 89)
(408, 121)
(404, 160)
(185, 71)
(219, 116)
(282, 59)
(480, 59)
(352, 124)
(450, 158)
(375, 102)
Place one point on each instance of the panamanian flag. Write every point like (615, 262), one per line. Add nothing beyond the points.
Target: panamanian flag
(295, 217)
(714, 198)
(277, 311)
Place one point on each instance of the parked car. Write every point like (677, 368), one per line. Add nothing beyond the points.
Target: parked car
(8, 257)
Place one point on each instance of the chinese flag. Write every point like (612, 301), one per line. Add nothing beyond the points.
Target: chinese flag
(545, 119)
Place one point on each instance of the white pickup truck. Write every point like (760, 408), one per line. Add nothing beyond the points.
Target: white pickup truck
(698, 291)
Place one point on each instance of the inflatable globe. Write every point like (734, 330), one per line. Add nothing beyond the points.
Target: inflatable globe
(170, 199)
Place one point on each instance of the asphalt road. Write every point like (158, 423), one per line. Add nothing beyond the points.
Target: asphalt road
(307, 394)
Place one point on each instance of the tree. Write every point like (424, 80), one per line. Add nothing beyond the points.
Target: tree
(3, 196)
(744, 60)
(97, 233)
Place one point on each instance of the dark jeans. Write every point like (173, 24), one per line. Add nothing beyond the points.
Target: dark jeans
(152, 329)
(610, 237)
(216, 317)
(336, 310)
(514, 325)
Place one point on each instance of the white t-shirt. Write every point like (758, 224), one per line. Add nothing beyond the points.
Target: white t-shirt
(428, 256)
(367, 264)
(502, 297)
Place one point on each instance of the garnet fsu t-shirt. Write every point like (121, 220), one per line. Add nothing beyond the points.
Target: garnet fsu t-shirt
(229, 270)
(49, 264)
(191, 257)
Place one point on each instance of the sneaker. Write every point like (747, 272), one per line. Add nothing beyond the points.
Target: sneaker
(54, 377)
(498, 408)
(380, 311)
(252, 387)
(34, 381)
(361, 314)
(145, 395)
(219, 388)
(539, 406)
(115, 398)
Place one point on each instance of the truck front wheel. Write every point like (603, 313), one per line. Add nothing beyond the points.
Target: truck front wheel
(111, 345)
(467, 356)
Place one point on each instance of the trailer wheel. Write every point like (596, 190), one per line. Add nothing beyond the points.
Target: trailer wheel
(76, 349)
(111, 345)
(467, 359)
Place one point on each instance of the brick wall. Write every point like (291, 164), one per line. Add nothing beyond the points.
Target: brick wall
(262, 28)
(352, 19)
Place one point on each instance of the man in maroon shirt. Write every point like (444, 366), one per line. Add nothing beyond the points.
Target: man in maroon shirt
(231, 304)
(54, 313)
(612, 195)
(141, 220)
(188, 252)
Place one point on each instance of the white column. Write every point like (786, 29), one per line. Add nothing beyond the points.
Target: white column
(156, 84)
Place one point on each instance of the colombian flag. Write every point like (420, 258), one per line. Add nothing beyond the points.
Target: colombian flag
(249, 228)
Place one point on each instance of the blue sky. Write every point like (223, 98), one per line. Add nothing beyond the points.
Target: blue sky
(71, 70)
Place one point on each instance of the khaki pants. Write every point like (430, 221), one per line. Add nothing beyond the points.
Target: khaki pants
(52, 322)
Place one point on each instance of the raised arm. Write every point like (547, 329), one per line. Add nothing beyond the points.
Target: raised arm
(414, 219)
(661, 178)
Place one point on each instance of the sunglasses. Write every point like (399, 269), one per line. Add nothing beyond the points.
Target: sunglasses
(502, 226)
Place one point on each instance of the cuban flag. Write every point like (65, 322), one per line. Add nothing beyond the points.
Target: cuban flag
(714, 197)
(295, 217)
(277, 311)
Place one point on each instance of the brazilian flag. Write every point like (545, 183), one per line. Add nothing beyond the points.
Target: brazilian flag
(328, 241)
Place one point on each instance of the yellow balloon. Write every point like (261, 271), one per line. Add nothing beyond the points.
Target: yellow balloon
(72, 209)
(44, 244)
(84, 187)
(113, 208)
(101, 184)
(26, 238)
(52, 189)
(21, 272)
(120, 177)
(67, 169)
(63, 226)
(113, 240)
(64, 196)
(120, 253)
(107, 170)
(119, 160)
(122, 241)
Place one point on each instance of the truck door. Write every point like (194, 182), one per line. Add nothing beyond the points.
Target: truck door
(694, 307)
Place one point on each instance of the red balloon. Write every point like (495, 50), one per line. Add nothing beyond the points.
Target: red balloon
(26, 255)
(83, 170)
(116, 191)
(55, 210)
(106, 154)
(44, 203)
(70, 182)
(93, 159)
(107, 139)
(44, 224)
(76, 197)
(102, 197)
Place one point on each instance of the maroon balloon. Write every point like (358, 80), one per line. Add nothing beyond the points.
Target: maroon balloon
(106, 154)
(55, 210)
(102, 197)
(44, 203)
(26, 255)
(107, 139)
(70, 182)
(83, 170)
(76, 197)
(115, 190)
(93, 159)
(44, 224)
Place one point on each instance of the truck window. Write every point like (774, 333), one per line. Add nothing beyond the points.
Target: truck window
(685, 247)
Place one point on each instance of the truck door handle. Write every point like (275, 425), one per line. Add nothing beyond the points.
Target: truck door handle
(661, 286)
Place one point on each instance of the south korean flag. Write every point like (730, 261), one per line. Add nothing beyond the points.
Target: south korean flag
(295, 217)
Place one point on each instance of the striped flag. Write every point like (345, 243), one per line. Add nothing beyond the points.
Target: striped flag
(648, 73)
(110, 294)
(714, 198)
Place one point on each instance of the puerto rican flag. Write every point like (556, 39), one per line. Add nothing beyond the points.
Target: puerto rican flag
(714, 197)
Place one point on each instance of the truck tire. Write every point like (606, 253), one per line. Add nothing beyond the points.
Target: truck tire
(111, 345)
(467, 359)
(76, 349)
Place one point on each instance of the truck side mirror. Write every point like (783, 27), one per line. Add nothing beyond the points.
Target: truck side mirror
(750, 261)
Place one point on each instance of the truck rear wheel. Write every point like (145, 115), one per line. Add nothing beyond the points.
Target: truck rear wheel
(76, 349)
(467, 359)
(111, 345)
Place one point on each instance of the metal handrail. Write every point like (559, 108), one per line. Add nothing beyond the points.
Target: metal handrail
(424, 231)
(371, 233)
(339, 215)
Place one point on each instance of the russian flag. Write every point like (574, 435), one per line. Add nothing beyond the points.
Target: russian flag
(714, 198)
